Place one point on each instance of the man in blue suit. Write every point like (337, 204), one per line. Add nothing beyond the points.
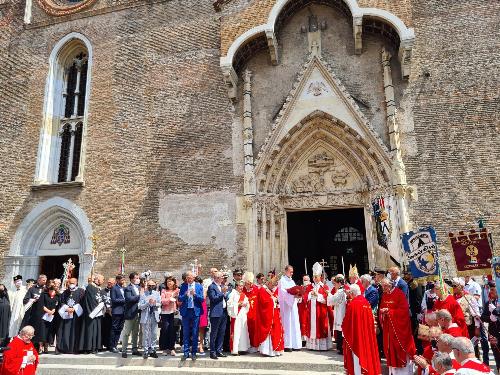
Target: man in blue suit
(117, 296)
(131, 315)
(191, 298)
(218, 315)
(398, 282)
(371, 293)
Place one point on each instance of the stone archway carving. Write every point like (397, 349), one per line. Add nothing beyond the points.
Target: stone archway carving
(33, 238)
(321, 163)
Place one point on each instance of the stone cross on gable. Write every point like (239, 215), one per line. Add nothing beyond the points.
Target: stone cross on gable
(313, 30)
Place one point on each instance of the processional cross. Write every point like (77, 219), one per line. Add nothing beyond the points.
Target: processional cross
(324, 265)
(94, 254)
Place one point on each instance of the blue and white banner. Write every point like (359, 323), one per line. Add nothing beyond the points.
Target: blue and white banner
(421, 250)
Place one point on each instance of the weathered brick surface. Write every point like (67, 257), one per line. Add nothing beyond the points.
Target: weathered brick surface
(455, 113)
(160, 121)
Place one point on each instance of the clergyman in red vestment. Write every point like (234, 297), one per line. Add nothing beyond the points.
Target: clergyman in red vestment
(269, 335)
(251, 291)
(394, 316)
(303, 309)
(360, 343)
(448, 302)
(22, 357)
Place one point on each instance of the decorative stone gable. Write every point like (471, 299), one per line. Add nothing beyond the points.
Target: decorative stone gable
(317, 89)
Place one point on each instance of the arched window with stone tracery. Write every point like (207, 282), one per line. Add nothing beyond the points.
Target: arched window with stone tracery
(61, 149)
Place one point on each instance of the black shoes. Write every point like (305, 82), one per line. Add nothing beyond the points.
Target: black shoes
(213, 356)
(221, 355)
(153, 355)
(288, 350)
(145, 355)
(136, 352)
(124, 355)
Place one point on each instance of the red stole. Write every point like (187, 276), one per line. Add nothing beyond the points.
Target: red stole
(321, 313)
(396, 328)
(358, 330)
(268, 316)
(456, 312)
(252, 313)
(13, 358)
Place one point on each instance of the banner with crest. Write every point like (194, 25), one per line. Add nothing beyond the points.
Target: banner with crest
(472, 251)
(422, 254)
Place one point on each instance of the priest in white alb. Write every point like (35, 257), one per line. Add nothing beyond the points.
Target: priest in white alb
(289, 311)
(16, 297)
(318, 334)
(237, 308)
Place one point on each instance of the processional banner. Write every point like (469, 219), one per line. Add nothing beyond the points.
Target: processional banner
(422, 254)
(472, 251)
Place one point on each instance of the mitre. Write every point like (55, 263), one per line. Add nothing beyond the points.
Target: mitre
(317, 269)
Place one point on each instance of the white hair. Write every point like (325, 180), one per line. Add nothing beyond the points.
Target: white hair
(366, 278)
(446, 338)
(443, 360)
(354, 289)
(463, 345)
(27, 330)
(444, 314)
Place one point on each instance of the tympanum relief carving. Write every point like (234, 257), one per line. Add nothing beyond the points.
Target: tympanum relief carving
(320, 173)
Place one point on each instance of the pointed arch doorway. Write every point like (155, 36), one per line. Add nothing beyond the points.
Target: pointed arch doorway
(335, 236)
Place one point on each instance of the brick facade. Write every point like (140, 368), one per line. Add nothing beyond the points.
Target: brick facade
(160, 124)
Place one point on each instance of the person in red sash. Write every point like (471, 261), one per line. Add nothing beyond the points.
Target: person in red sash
(445, 321)
(317, 324)
(464, 353)
(443, 345)
(443, 364)
(394, 316)
(22, 357)
(303, 309)
(269, 335)
(251, 291)
(360, 343)
(448, 302)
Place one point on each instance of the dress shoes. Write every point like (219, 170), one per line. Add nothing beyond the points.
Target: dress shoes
(145, 355)
(153, 355)
(213, 356)
(136, 352)
(288, 350)
(222, 355)
(124, 355)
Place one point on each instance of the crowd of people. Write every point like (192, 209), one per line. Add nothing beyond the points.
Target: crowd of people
(434, 328)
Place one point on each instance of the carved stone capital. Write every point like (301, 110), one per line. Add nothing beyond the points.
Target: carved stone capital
(272, 43)
(405, 52)
(357, 29)
(231, 80)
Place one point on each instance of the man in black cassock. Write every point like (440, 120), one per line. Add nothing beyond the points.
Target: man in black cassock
(71, 311)
(93, 312)
(4, 316)
(107, 319)
(33, 315)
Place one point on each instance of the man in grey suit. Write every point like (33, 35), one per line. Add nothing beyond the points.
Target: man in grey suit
(149, 304)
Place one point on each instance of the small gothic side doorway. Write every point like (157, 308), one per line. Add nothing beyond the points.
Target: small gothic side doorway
(52, 266)
(337, 236)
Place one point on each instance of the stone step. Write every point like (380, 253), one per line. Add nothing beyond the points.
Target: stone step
(191, 370)
(296, 363)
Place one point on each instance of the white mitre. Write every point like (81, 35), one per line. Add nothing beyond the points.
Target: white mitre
(317, 269)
